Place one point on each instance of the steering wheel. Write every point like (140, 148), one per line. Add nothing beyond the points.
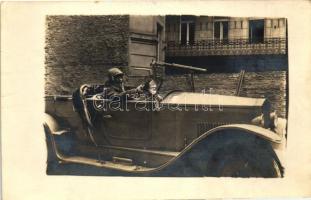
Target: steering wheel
(98, 102)
(145, 91)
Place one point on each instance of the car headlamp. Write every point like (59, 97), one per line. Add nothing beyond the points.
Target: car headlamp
(266, 121)
(273, 120)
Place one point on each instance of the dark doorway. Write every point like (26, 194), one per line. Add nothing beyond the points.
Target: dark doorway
(187, 32)
(217, 30)
(256, 31)
(221, 30)
(183, 33)
(191, 33)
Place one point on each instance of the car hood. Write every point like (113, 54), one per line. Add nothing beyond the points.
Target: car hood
(191, 98)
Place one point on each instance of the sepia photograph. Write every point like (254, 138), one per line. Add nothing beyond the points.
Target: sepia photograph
(155, 100)
(168, 96)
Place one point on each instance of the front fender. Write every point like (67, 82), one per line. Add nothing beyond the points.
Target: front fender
(251, 138)
(247, 128)
(228, 134)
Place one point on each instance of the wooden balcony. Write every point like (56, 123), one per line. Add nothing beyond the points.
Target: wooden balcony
(265, 46)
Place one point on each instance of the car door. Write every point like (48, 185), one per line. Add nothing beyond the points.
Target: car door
(126, 124)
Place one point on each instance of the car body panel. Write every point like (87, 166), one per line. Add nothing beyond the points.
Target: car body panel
(167, 158)
(151, 136)
(190, 98)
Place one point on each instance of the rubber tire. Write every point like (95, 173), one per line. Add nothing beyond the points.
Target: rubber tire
(241, 161)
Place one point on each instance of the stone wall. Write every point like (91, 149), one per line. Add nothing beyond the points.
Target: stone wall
(270, 85)
(80, 49)
(215, 64)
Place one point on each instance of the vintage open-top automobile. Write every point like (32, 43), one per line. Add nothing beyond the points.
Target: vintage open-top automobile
(178, 134)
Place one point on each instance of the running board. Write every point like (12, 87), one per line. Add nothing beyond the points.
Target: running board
(114, 157)
(142, 157)
(102, 163)
(147, 151)
(124, 161)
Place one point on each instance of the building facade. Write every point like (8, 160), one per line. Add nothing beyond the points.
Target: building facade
(146, 43)
(80, 50)
(208, 40)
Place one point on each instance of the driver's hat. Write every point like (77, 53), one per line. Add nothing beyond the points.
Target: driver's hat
(113, 72)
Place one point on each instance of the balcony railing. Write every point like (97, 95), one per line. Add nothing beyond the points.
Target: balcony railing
(227, 47)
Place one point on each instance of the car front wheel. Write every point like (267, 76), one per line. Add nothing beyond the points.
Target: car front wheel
(237, 161)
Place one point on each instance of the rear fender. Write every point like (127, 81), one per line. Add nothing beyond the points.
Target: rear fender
(53, 125)
(59, 140)
(249, 137)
